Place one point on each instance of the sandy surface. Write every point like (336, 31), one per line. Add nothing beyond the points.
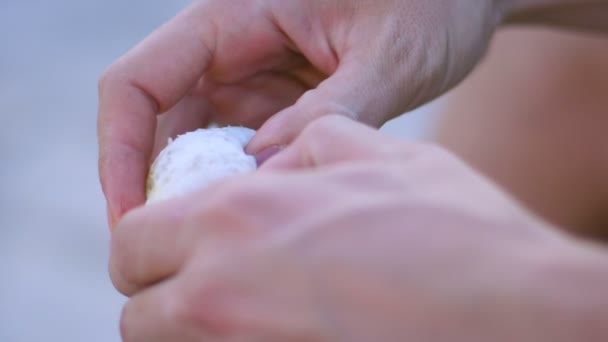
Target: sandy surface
(53, 236)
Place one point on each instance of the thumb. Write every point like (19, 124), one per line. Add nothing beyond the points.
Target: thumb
(333, 139)
(355, 91)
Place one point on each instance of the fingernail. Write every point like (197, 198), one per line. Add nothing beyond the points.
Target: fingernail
(267, 153)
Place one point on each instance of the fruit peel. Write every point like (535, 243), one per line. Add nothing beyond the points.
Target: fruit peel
(194, 160)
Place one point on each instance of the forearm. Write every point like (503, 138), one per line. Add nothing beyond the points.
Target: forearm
(578, 14)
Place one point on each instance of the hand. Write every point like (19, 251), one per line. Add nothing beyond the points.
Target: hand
(367, 239)
(243, 62)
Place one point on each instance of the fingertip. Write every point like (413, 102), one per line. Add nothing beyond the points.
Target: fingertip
(270, 137)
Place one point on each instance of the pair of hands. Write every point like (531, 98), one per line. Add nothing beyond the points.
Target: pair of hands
(345, 234)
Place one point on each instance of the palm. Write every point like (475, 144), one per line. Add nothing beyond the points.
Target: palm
(252, 101)
(245, 88)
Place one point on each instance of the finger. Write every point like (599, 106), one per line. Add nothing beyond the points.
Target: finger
(148, 81)
(353, 91)
(333, 139)
(149, 245)
(191, 113)
(157, 314)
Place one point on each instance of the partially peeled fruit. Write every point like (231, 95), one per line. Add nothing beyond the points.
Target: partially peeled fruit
(197, 159)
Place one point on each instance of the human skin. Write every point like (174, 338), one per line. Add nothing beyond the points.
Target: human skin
(349, 235)
(281, 64)
(533, 118)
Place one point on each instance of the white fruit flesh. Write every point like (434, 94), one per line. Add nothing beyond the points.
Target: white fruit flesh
(196, 159)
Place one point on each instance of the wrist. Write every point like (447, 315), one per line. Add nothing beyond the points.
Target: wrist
(571, 293)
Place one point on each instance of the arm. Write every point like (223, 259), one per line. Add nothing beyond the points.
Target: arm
(576, 14)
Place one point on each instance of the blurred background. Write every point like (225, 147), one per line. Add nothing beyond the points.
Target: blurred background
(53, 235)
